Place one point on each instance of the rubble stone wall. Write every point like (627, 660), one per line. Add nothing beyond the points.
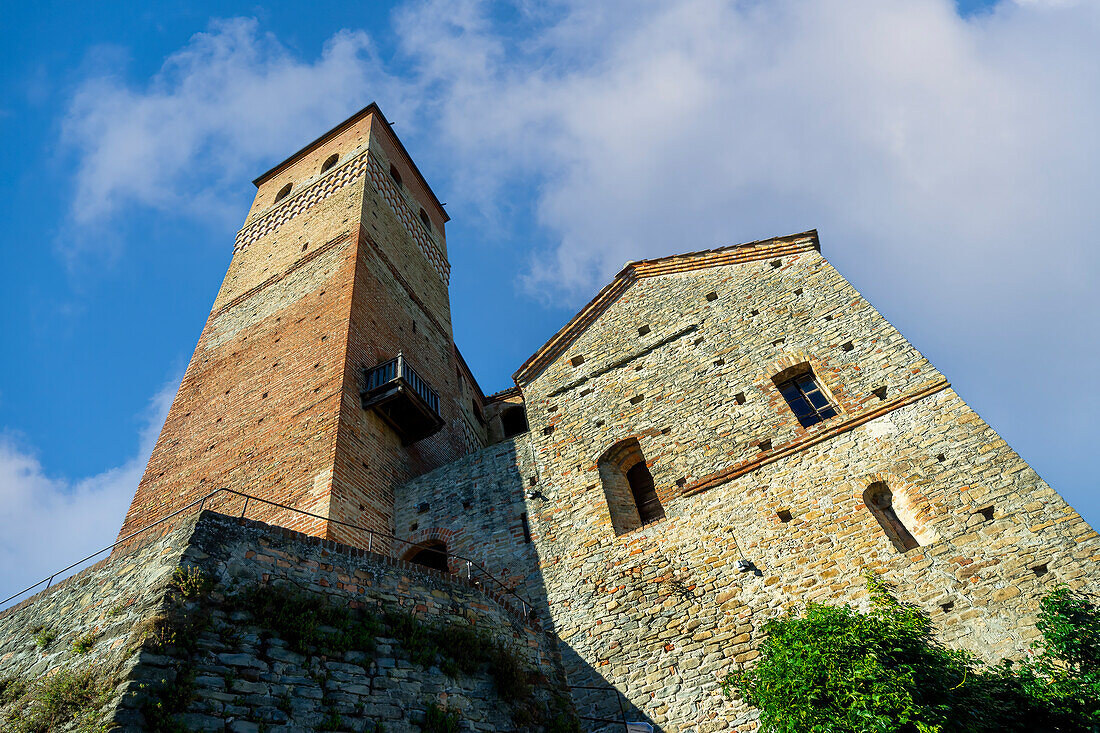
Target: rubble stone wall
(153, 639)
(684, 362)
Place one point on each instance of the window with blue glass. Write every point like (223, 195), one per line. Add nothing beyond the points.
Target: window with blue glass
(807, 400)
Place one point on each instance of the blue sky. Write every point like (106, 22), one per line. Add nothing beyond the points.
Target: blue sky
(947, 154)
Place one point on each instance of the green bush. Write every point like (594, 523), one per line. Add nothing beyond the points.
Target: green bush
(64, 700)
(839, 670)
(84, 643)
(298, 617)
(43, 636)
(190, 582)
(438, 719)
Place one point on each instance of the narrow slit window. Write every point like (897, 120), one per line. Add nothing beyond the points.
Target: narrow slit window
(807, 400)
(880, 500)
(425, 220)
(330, 162)
(283, 193)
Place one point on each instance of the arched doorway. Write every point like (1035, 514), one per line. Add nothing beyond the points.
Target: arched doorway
(430, 554)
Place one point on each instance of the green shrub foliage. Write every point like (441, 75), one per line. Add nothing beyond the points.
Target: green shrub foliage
(837, 670)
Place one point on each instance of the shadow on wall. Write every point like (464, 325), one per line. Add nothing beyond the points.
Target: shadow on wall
(601, 706)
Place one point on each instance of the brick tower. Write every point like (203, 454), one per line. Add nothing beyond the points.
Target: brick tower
(326, 373)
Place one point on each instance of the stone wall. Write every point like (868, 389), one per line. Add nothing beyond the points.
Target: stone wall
(476, 505)
(681, 356)
(104, 607)
(238, 673)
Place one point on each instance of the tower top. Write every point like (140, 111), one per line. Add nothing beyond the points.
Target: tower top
(370, 109)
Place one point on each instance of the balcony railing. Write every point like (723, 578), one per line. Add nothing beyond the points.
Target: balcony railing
(403, 399)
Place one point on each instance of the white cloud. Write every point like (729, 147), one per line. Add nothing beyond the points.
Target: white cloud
(51, 522)
(215, 113)
(951, 164)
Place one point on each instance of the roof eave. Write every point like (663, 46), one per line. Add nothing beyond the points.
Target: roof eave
(625, 277)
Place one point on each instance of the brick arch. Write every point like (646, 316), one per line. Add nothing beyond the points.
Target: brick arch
(628, 487)
(429, 536)
(788, 363)
(909, 502)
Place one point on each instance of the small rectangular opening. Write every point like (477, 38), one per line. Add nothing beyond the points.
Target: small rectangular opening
(643, 330)
(740, 398)
(847, 346)
(720, 362)
(1040, 570)
(754, 312)
(712, 296)
(526, 528)
(778, 342)
(777, 263)
(784, 515)
(548, 430)
(681, 482)
(636, 399)
(422, 507)
(941, 457)
(577, 360)
(880, 393)
(764, 445)
(946, 606)
(798, 291)
(987, 513)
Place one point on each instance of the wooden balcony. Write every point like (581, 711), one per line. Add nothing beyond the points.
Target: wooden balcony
(403, 399)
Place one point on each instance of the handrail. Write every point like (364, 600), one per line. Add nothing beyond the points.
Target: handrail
(526, 606)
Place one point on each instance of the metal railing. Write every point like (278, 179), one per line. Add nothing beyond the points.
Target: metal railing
(398, 368)
(526, 606)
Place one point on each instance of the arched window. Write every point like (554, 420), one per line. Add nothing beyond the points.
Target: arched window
(424, 218)
(330, 161)
(395, 176)
(513, 421)
(880, 500)
(431, 554)
(283, 193)
(628, 487)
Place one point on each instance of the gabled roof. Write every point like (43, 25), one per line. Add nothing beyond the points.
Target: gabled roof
(371, 108)
(633, 271)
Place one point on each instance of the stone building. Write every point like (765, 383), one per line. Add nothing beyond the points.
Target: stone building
(715, 438)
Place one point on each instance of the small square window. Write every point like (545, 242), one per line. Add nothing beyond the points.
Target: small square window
(643, 330)
(806, 399)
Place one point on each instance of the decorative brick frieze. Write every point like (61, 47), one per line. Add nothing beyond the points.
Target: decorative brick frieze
(362, 164)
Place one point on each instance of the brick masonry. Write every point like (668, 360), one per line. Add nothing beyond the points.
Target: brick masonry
(334, 278)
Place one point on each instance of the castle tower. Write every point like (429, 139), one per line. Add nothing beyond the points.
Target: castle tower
(326, 373)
